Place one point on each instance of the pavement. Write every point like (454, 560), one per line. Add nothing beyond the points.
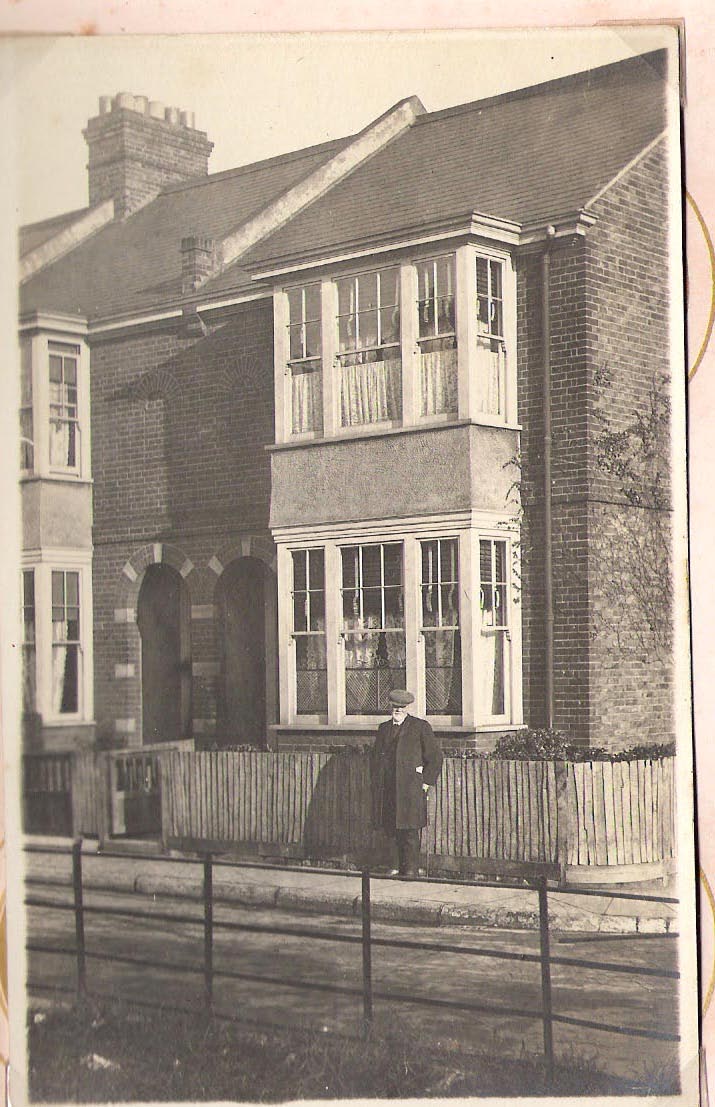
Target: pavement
(418, 901)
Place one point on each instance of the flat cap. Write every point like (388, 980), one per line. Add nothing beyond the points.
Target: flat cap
(400, 698)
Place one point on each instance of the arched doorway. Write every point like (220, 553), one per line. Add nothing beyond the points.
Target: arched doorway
(241, 595)
(163, 617)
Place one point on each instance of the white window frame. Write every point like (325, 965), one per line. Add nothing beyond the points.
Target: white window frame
(466, 337)
(309, 718)
(468, 529)
(41, 332)
(29, 646)
(44, 563)
(316, 360)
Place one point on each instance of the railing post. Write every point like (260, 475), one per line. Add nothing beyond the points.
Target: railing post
(79, 915)
(208, 932)
(366, 954)
(546, 977)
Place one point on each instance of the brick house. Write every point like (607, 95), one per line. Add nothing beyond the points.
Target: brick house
(316, 386)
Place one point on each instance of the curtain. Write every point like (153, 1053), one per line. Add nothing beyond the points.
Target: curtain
(491, 675)
(490, 363)
(370, 392)
(61, 443)
(306, 399)
(439, 382)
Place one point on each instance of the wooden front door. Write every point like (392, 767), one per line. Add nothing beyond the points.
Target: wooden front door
(164, 627)
(242, 641)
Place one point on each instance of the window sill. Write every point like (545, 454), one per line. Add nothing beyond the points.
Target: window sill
(369, 727)
(383, 431)
(65, 720)
(56, 478)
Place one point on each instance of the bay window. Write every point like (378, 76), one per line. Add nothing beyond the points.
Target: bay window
(423, 341)
(434, 612)
(311, 685)
(436, 313)
(27, 442)
(368, 357)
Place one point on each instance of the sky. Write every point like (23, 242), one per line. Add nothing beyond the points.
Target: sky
(258, 96)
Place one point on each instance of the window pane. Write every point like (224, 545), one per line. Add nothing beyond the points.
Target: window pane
(491, 695)
(393, 564)
(485, 560)
(390, 324)
(430, 605)
(367, 291)
(312, 301)
(299, 573)
(443, 672)
(72, 626)
(450, 605)
(65, 682)
(497, 326)
(367, 328)
(296, 343)
(445, 315)
(482, 277)
(72, 589)
(58, 589)
(500, 559)
(372, 607)
(389, 287)
(300, 611)
(496, 279)
(28, 588)
(312, 340)
(55, 369)
(371, 566)
(311, 675)
(346, 296)
(70, 371)
(295, 305)
(317, 611)
(317, 568)
(350, 566)
(394, 608)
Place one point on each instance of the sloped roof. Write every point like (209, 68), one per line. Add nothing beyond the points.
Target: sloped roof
(525, 156)
(135, 265)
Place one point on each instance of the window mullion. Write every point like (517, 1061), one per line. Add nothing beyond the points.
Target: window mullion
(414, 639)
(334, 638)
(466, 328)
(409, 345)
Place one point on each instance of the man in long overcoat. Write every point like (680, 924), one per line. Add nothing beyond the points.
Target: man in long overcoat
(406, 763)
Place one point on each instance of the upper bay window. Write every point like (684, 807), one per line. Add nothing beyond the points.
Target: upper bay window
(54, 398)
(403, 345)
(369, 348)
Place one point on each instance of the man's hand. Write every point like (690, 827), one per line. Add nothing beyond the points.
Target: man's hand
(425, 787)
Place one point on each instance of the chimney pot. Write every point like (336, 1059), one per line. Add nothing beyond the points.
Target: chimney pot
(188, 119)
(141, 104)
(156, 109)
(105, 105)
(172, 115)
(125, 100)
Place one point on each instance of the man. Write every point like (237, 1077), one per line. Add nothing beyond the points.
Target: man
(406, 763)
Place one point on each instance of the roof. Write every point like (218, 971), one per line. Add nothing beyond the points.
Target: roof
(135, 265)
(524, 156)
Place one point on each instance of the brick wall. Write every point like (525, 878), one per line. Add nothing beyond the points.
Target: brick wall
(180, 476)
(628, 354)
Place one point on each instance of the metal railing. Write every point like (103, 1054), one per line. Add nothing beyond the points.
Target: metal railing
(544, 958)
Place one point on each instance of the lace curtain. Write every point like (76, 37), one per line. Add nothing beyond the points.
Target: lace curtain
(65, 686)
(439, 382)
(490, 365)
(491, 674)
(370, 392)
(62, 443)
(306, 399)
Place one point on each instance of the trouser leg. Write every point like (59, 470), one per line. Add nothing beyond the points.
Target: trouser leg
(408, 848)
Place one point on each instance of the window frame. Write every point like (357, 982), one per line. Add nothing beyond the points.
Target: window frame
(305, 359)
(65, 351)
(68, 643)
(306, 717)
(29, 645)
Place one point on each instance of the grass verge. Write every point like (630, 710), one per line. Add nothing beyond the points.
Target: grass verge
(111, 1052)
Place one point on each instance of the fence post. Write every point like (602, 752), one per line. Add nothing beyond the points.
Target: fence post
(79, 915)
(366, 954)
(562, 818)
(208, 932)
(546, 977)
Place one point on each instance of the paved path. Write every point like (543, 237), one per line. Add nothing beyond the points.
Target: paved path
(409, 901)
(645, 1002)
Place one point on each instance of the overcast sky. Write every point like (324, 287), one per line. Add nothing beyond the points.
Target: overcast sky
(258, 96)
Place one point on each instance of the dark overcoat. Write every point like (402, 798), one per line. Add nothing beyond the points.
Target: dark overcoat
(416, 745)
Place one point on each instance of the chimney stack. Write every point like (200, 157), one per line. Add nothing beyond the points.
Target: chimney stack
(136, 146)
(200, 259)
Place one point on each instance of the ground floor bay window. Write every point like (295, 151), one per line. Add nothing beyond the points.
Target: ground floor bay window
(434, 610)
(57, 639)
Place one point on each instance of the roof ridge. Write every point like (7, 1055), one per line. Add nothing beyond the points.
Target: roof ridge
(54, 218)
(255, 166)
(656, 59)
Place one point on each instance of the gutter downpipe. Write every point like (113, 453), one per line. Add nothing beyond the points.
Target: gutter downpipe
(548, 543)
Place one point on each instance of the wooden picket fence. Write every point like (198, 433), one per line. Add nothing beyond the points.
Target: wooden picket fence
(586, 820)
